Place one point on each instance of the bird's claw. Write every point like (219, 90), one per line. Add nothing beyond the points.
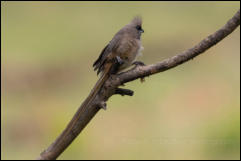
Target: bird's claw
(138, 63)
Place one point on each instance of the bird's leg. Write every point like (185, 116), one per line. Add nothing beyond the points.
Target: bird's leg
(119, 60)
(139, 63)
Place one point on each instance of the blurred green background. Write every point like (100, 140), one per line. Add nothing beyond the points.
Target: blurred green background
(189, 112)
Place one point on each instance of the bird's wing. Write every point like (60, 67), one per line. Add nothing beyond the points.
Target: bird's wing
(100, 58)
(106, 52)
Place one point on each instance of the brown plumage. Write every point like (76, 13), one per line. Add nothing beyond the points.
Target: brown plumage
(119, 54)
(126, 44)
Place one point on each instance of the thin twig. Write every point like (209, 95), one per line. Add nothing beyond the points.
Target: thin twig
(111, 86)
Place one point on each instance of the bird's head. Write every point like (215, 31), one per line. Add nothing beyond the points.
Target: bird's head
(135, 27)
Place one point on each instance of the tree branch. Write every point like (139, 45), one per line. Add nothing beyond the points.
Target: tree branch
(83, 116)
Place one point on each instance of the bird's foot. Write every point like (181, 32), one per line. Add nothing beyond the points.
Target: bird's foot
(138, 63)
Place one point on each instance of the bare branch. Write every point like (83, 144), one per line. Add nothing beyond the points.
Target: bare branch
(84, 115)
(198, 49)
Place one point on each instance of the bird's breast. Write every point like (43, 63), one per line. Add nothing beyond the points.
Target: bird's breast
(133, 50)
(140, 49)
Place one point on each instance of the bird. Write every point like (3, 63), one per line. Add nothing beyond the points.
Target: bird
(119, 54)
(125, 46)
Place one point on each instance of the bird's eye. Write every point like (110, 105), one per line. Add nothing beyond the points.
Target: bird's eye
(138, 27)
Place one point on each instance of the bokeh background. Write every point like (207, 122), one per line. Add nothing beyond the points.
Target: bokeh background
(189, 112)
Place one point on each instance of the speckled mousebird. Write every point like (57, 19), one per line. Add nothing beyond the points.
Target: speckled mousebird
(120, 53)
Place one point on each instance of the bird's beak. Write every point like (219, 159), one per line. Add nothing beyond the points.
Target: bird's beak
(142, 31)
